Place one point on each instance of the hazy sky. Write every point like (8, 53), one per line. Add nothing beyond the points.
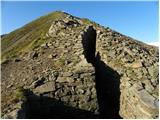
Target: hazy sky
(138, 20)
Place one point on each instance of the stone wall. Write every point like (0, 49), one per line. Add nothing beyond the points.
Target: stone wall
(137, 64)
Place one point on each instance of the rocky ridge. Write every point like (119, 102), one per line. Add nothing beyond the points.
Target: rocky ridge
(80, 66)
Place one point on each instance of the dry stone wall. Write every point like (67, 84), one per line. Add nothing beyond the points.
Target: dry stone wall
(137, 65)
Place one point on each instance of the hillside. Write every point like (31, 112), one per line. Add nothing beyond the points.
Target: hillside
(61, 66)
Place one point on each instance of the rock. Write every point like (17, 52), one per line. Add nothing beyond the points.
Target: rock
(144, 100)
(111, 54)
(55, 74)
(46, 87)
(33, 55)
(154, 81)
(153, 71)
(6, 61)
(67, 74)
(17, 60)
(45, 45)
(9, 86)
(50, 56)
(148, 101)
(54, 54)
(66, 98)
(80, 91)
(52, 78)
(49, 44)
(56, 26)
(37, 82)
(138, 86)
(93, 90)
(17, 113)
(12, 115)
(128, 51)
(148, 86)
(65, 79)
(137, 64)
(61, 93)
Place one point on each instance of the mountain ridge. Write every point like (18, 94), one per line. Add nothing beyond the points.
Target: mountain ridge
(6, 41)
(60, 61)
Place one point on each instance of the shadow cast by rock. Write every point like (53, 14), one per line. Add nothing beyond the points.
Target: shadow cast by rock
(107, 86)
(41, 107)
(107, 79)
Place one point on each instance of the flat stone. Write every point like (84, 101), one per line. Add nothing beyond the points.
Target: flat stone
(148, 86)
(37, 82)
(137, 64)
(9, 86)
(33, 55)
(67, 74)
(144, 114)
(82, 63)
(128, 51)
(47, 87)
(146, 100)
(137, 86)
(64, 79)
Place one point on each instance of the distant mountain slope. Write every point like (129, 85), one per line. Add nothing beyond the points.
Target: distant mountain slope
(61, 66)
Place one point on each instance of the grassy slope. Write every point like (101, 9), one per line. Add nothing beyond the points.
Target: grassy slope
(29, 36)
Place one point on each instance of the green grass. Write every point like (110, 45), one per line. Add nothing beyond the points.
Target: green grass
(20, 94)
(88, 22)
(60, 62)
